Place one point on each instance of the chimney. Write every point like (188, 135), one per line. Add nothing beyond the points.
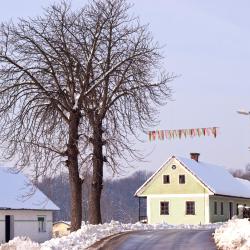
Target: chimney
(195, 156)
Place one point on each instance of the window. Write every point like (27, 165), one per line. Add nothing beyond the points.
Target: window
(164, 207)
(215, 207)
(237, 209)
(182, 179)
(221, 208)
(166, 179)
(190, 207)
(173, 166)
(231, 210)
(41, 224)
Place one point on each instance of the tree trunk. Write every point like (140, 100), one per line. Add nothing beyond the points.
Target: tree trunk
(74, 179)
(97, 178)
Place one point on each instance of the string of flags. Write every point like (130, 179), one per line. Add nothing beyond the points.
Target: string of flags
(182, 133)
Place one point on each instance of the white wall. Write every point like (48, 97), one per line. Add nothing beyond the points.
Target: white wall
(26, 224)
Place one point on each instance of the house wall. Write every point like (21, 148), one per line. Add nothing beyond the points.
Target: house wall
(191, 186)
(176, 194)
(219, 217)
(177, 209)
(26, 224)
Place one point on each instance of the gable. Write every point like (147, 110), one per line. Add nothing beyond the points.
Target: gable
(155, 183)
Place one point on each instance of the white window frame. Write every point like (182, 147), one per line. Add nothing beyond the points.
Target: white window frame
(166, 202)
(190, 210)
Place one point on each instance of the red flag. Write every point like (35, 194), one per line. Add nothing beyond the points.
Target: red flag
(153, 135)
(149, 135)
(204, 131)
(193, 132)
(179, 132)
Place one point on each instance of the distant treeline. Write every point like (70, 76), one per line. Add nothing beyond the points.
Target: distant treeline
(118, 201)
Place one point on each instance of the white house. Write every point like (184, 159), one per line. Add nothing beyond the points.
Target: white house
(23, 213)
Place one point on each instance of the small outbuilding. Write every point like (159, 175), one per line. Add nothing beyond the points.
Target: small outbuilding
(24, 209)
(61, 228)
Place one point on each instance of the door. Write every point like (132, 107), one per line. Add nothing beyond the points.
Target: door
(9, 227)
(230, 210)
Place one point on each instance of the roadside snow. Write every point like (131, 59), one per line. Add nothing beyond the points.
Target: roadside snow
(89, 234)
(20, 243)
(235, 234)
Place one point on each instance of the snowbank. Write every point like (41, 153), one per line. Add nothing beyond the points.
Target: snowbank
(20, 243)
(235, 234)
(89, 234)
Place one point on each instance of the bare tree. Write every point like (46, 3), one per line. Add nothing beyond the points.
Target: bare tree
(45, 69)
(127, 65)
(74, 85)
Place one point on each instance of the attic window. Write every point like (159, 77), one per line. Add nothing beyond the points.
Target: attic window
(166, 179)
(182, 179)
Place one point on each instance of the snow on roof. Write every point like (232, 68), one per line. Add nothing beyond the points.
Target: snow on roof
(246, 183)
(216, 178)
(68, 222)
(17, 192)
(63, 222)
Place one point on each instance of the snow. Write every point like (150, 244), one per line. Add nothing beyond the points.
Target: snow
(76, 96)
(246, 183)
(17, 192)
(223, 184)
(89, 234)
(235, 234)
(20, 243)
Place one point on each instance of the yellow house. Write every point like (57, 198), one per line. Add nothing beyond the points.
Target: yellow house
(187, 191)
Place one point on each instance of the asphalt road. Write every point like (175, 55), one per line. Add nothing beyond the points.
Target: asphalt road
(171, 239)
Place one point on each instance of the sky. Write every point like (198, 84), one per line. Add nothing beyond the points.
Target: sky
(207, 44)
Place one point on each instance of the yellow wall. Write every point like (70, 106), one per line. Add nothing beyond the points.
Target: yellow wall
(156, 186)
(225, 200)
(176, 194)
(177, 209)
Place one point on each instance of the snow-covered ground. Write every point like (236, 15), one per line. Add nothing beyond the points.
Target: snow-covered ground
(235, 234)
(89, 234)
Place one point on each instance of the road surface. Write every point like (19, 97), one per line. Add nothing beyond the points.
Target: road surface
(171, 239)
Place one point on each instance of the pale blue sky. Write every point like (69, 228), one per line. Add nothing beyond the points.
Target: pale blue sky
(208, 44)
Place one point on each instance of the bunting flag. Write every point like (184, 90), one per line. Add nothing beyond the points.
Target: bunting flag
(179, 133)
